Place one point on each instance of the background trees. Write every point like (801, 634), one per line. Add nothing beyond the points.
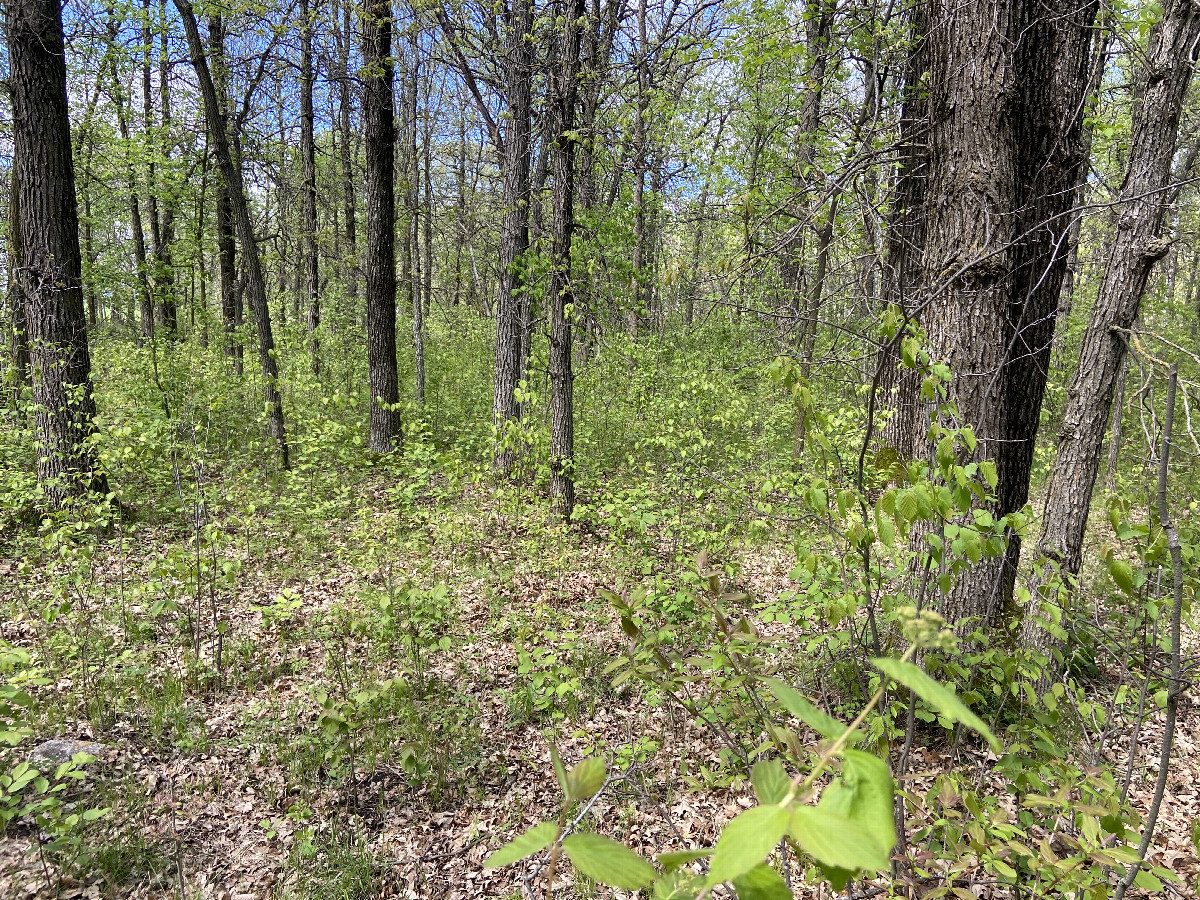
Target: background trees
(856, 298)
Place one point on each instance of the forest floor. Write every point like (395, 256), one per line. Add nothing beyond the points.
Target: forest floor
(234, 784)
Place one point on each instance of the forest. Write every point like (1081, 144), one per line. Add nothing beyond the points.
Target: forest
(533, 449)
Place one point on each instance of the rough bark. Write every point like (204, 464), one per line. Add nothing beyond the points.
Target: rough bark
(1135, 246)
(380, 262)
(1007, 83)
(18, 335)
(255, 285)
(51, 275)
(231, 297)
(562, 397)
(902, 271)
(308, 161)
(349, 199)
(514, 229)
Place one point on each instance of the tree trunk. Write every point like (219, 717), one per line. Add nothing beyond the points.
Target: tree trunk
(18, 337)
(308, 158)
(1001, 175)
(1135, 246)
(412, 180)
(900, 387)
(514, 229)
(232, 175)
(562, 390)
(51, 275)
(231, 297)
(380, 263)
(346, 153)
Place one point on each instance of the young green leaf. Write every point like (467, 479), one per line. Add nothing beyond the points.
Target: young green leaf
(795, 703)
(770, 781)
(604, 860)
(836, 840)
(539, 837)
(585, 779)
(864, 795)
(940, 697)
(560, 771)
(761, 883)
(746, 841)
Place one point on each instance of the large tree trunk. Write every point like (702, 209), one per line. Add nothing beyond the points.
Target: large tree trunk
(562, 390)
(380, 264)
(308, 159)
(51, 277)
(254, 283)
(18, 336)
(514, 229)
(900, 387)
(1135, 246)
(1006, 93)
(231, 296)
(1054, 61)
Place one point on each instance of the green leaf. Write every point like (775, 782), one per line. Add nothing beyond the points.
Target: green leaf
(761, 883)
(539, 837)
(676, 858)
(795, 703)
(585, 779)
(864, 795)
(770, 781)
(559, 771)
(1122, 574)
(603, 859)
(1196, 834)
(836, 840)
(746, 841)
(1147, 882)
(940, 697)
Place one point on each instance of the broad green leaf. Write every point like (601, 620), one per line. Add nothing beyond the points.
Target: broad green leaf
(836, 840)
(539, 837)
(761, 883)
(770, 781)
(746, 841)
(940, 697)
(864, 795)
(1122, 574)
(795, 703)
(586, 778)
(676, 858)
(1147, 882)
(604, 860)
(559, 771)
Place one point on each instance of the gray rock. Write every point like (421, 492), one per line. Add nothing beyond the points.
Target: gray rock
(51, 754)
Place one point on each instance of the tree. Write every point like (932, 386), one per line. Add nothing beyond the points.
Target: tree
(231, 173)
(562, 399)
(50, 280)
(380, 264)
(514, 229)
(1137, 220)
(308, 160)
(1006, 85)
